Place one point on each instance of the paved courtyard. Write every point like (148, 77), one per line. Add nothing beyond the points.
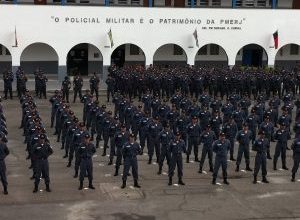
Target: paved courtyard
(155, 200)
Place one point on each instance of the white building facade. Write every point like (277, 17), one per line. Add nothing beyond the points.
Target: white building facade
(47, 35)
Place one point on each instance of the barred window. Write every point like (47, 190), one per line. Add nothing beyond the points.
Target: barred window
(294, 49)
(134, 50)
(178, 50)
(214, 49)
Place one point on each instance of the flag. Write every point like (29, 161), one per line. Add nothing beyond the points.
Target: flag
(16, 39)
(110, 38)
(275, 36)
(196, 37)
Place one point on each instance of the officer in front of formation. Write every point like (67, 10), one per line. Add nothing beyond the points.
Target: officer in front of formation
(40, 153)
(221, 148)
(94, 85)
(8, 79)
(243, 137)
(193, 131)
(111, 83)
(86, 151)
(65, 87)
(130, 150)
(176, 149)
(3, 153)
(261, 146)
(121, 138)
(77, 86)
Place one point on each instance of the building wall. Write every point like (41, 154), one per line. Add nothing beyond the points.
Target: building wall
(151, 28)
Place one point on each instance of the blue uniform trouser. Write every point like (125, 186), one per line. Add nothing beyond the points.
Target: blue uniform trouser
(176, 160)
(41, 167)
(231, 146)
(220, 161)
(130, 162)
(296, 158)
(243, 149)
(86, 166)
(164, 153)
(193, 142)
(3, 173)
(280, 149)
(142, 137)
(152, 144)
(260, 161)
(119, 157)
(112, 148)
(207, 150)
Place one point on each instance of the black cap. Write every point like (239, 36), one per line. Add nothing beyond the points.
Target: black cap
(116, 118)
(87, 136)
(261, 132)
(140, 106)
(123, 126)
(177, 133)
(194, 117)
(103, 106)
(245, 124)
(156, 117)
(283, 124)
(222, 134)
(81, 124)
(109, 112)
(43, 136)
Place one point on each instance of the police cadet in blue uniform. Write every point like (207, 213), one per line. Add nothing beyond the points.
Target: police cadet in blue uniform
(94, 85)
(8, 78)
(130, 150)
(230, 130)
(65, 87)
(221, 148)
(121, 138)
(207, 137)
(111, 83)
(193, 132)
(176, 148)
(282, 135)
(77, 86)
(154, 128)
(86, 151)
(3, 153)
(243, 137)
(40, 152)
(261, 145)
(296, 157)
(165, 137)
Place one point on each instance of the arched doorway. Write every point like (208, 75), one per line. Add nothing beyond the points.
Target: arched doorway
(211, 55)
(39, 55)
(252, 55)
(128, 54)
(288, 57)
(85, 59)
(170, 54)
(5, 58)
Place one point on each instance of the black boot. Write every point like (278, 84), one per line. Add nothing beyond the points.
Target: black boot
(225, 181)
(269, 156)
(237, 169)
(284, 165)
(80, 185)
(274, 166)
(170, 181)
(150, 160)
(91, 185)
(124, 184)
(116, 171)
(110, 162)
(200, 169)
(104, 152)
(196, 159)
(97, 144)
(264, 180)
(255, 180)
(293, 177)
(248, 168)
(180, 182)
(187, 158)
(211, 169)
(36, 188)
(214, 181)
(136, 184)
(76, 174)
(5, 192)
(159, 170)
(48, 188)
(232, 158)
(69, 164)
(65, 156)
